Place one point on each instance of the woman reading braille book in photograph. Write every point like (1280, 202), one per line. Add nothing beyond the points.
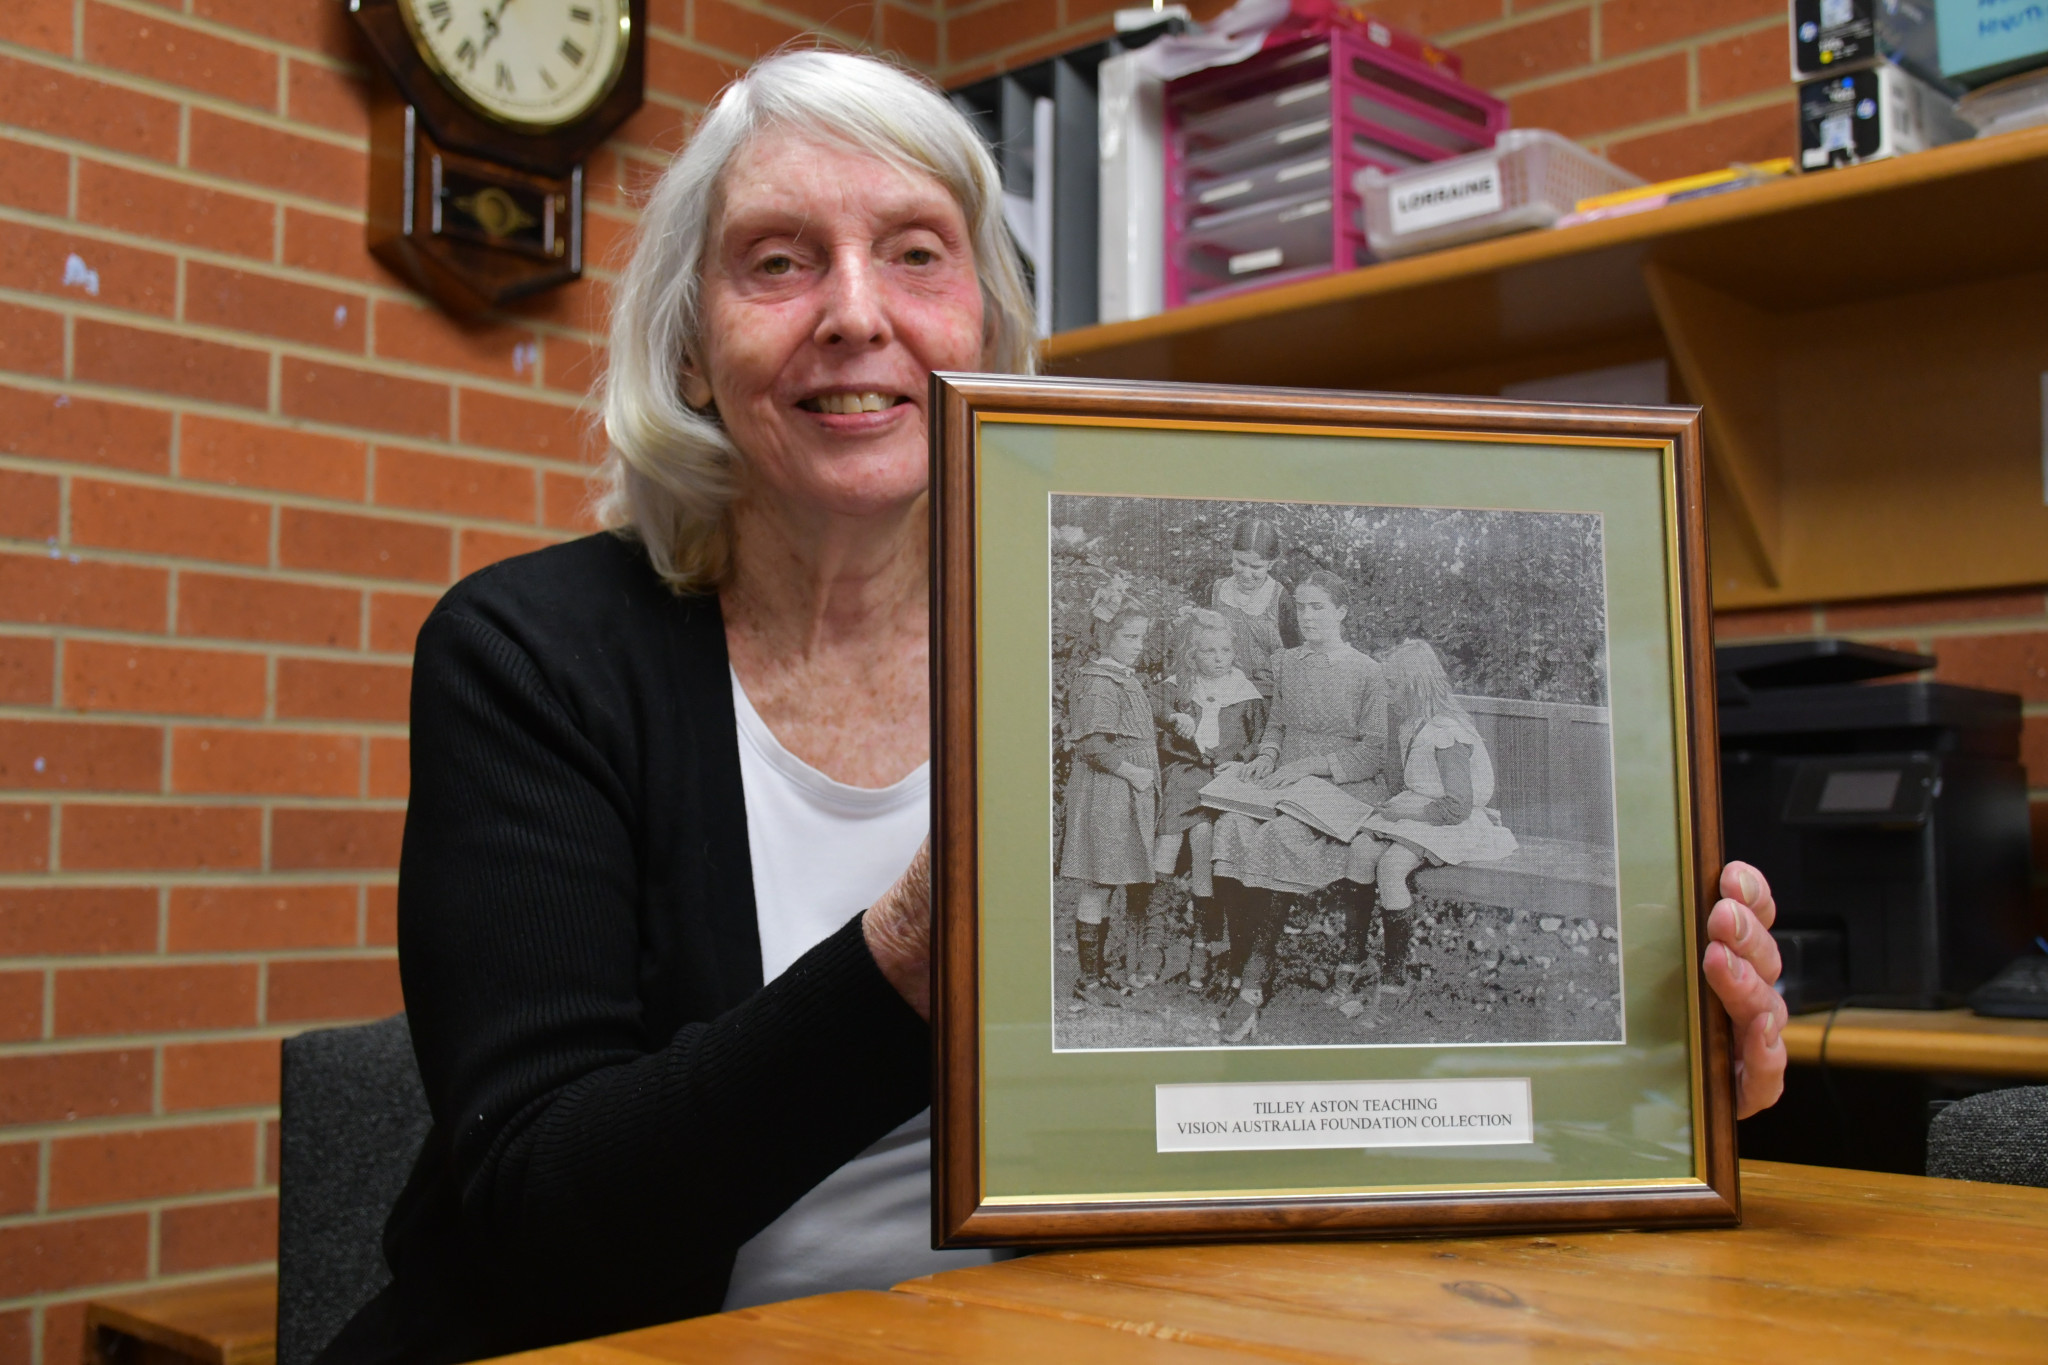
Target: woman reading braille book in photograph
(663, 899)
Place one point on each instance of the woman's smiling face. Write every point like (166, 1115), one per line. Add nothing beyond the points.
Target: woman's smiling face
(834, 284)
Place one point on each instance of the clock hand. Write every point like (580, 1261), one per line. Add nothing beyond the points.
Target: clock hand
(491, 25)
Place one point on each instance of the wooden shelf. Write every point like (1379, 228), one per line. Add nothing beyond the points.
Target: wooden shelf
(1868, 344)
(1923, 1040)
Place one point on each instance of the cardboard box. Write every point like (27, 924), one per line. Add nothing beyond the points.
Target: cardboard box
(1871, 114)
(1832, 36)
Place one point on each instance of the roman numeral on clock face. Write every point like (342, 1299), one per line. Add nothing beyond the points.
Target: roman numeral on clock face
(466, 54)
(440, 11)
(504, 77)
(546, 79)
(572, 52)
(579, 14)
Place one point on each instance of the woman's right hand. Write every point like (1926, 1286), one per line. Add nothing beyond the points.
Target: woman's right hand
(1259, 768)
(898, 929)
(1141, 779)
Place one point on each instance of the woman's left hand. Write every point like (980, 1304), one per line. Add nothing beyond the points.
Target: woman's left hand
(1741, 963)
(1291, 772)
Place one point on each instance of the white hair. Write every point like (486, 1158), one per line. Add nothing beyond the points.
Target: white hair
(668, 476)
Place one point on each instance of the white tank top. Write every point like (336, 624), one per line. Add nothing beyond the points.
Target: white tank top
(822, 852)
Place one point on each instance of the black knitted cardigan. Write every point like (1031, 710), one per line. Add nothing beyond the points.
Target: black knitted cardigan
(618, 1102)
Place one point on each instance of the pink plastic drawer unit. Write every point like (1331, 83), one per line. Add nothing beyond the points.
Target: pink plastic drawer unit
(1262, 156)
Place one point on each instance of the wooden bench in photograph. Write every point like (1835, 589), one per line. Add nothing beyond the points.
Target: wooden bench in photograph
(1553, 786)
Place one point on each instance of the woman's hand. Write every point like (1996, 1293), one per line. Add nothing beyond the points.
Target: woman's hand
(1139, 777)
(898, 928)
(1295, 771)
(1183, 724)
(1741, 963)
(1256, 770)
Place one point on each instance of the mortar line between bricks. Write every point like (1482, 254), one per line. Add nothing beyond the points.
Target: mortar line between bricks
(1727, 108)
(1623, 61)
(170, 405)
(243, 879)
(385, 366)
(172, 171)
(325, 653)
(184, 96)
(222, 801)
(221, 29)
(240, 494)
(152, 1245)
(148, 1204)
(374, 292)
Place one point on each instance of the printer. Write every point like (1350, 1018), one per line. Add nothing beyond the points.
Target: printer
(1890, 816)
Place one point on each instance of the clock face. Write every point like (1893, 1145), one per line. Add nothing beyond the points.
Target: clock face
(535, 64)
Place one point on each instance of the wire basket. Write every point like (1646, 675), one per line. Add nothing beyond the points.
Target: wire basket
(1529, 178)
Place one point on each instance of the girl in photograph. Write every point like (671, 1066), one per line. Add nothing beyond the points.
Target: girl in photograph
(1441, 815)
(1112, 793)
(1252, 600)
(1214, 717)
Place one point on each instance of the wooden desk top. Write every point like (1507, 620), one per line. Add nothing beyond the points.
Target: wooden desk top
(1830, 1266)
(231, 1322)
(1924, 1040)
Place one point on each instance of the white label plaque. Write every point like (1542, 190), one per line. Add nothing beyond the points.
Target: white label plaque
(1281, 1115)
(1448, 197)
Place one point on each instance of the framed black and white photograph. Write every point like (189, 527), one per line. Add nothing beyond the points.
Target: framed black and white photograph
(1323, 815)
(1330, 775)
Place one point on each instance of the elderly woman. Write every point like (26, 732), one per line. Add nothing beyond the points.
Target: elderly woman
(663, 902)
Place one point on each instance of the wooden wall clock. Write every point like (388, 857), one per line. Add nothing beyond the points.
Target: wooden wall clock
(477, 149)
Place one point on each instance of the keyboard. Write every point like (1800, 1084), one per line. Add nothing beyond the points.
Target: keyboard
(2019, 991)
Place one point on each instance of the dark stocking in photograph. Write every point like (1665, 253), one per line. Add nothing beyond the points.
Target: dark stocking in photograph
(1091, 982)
(1397, 928)
(1208, 931)
(1144, 951)
(1256, 927)
(1358, 902)
(1268, 911)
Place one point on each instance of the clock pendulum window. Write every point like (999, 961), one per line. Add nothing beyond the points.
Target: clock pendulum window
(477, 144)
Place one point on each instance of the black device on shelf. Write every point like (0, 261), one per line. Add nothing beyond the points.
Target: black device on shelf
(1891, 818)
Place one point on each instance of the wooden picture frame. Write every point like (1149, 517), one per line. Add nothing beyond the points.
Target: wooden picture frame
(1052, 1116)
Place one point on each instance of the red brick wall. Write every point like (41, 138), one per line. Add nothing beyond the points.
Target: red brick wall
(238, 462)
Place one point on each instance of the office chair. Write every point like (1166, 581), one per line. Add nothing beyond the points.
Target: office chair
(353, 1118)
(2001, 1135)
